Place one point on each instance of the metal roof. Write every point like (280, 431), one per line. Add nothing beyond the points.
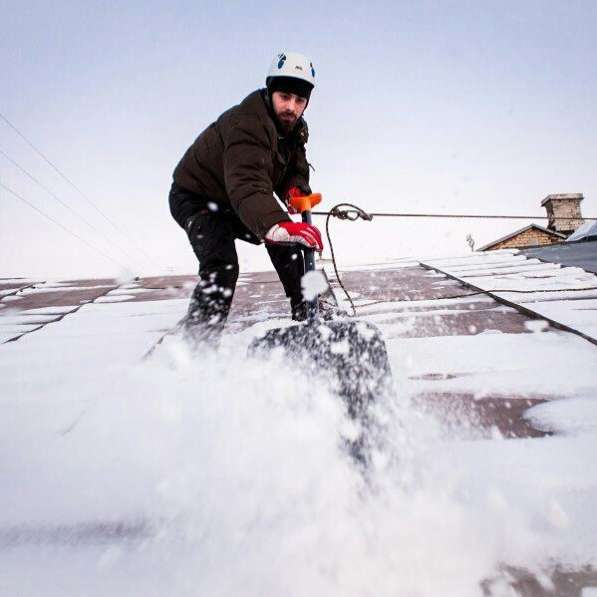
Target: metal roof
(573, 254)
(586, 231)
(425, 309)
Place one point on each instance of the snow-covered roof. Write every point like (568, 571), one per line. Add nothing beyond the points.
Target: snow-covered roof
(127, 463)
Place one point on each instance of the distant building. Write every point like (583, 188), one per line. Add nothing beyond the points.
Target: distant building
(564, 217)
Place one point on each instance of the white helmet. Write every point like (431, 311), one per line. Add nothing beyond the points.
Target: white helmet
(292, 64)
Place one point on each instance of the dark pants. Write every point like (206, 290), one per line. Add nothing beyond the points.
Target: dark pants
(212, 235)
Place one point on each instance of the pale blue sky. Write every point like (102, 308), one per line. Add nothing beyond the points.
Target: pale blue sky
(454, 106)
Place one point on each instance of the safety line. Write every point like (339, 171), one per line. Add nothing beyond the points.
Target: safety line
(353, 214)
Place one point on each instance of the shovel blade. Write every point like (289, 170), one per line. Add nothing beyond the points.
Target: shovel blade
(351, 354)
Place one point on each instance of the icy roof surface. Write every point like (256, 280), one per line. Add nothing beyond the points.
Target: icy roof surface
(152, 472)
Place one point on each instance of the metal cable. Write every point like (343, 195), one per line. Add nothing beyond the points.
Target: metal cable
(74, 186)
(343, 215)
(356, 213)
(66, 206)
(45, 215)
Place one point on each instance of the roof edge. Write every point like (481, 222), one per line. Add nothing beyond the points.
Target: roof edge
(503, 238)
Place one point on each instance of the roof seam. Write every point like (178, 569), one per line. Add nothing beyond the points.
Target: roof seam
(524, 310)
(61, 316)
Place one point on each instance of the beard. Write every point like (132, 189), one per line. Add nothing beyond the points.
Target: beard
(287, 121)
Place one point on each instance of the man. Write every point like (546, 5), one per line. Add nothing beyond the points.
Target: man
(224, 187)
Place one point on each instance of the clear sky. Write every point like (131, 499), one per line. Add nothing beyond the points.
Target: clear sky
(453, 106)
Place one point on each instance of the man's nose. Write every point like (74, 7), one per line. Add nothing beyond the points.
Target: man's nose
(294, 105)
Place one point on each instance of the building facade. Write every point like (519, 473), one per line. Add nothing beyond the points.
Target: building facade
(564, 217)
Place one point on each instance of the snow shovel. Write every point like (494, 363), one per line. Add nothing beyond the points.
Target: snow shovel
(351, 354)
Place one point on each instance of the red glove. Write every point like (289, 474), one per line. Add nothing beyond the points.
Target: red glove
(292, 192)
(286, 233)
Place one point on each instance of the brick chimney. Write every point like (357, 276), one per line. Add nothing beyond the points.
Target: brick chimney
(563, 205)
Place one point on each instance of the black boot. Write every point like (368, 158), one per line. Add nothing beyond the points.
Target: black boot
(209, 307)
(298, 310)
(326, 310)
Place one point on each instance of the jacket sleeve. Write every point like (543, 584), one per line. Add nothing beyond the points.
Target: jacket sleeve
(248, 172)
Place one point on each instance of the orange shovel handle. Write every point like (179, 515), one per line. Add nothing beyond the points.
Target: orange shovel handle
(305, 203)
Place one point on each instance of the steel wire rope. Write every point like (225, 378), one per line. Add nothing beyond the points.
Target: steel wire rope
(45, 215)
(74, 186)
(356, 213)
(344, 215)
(66, 206)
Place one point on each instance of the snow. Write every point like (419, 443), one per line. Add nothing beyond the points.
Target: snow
(7, 292)
(390, 264)
(407, 306)
(12, 297)
(58, 288)
(225, 476)
(567, 295)
(491, 363)
(313, 284)
(49, 310)
(115, 298)
(571, 416)
(24, 319)
(588, 229)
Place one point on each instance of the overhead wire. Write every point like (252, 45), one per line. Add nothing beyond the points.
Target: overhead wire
(74, 186)
(68, 230)
(66, 206)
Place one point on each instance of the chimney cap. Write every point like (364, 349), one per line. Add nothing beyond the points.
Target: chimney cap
(565, 196)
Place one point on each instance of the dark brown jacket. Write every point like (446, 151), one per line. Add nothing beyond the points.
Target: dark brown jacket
(241, 160)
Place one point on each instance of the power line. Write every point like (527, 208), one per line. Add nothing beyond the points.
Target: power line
(45, 215)
(65, 205)
(72, 184)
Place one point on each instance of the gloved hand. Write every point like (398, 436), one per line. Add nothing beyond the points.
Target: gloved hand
(292, 192)
(286, 233)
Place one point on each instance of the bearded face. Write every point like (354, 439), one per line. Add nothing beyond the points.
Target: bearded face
(288, 108)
